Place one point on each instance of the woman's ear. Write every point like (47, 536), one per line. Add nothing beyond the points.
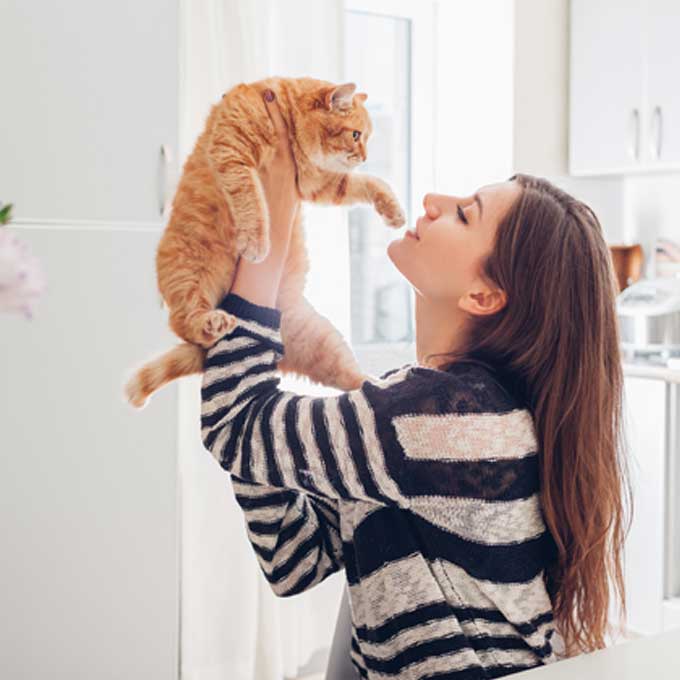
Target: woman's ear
(483, 300)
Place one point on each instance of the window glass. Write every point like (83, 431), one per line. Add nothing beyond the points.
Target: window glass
(378, 60)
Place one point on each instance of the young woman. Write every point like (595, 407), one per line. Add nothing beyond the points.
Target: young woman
(475, 498)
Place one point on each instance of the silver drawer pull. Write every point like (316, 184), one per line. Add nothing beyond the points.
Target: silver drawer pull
(656, 133)
(634, 134)
(164, 161)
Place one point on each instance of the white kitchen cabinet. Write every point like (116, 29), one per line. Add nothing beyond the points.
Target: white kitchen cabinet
(624, 99)
(88, 485)
(651, 562)
(88, 96)
(663, 84)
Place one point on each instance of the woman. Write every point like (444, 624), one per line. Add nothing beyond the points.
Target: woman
(475, 498)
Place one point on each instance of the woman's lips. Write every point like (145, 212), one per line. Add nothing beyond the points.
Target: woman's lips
(415, 232)
(419, 225)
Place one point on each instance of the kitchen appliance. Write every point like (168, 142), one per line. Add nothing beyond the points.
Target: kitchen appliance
(649, 319)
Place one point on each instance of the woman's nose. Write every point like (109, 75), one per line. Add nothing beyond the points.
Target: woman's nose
(435, 204)
(432, 209)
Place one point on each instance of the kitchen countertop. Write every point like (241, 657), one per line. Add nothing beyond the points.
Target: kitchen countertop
(656, 657)
(650, 370)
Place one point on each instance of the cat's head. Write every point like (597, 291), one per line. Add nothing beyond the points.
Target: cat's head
(337, 128)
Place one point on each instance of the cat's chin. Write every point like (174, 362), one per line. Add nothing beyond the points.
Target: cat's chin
(336, 165)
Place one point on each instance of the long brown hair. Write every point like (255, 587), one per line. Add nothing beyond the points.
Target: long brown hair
(557, 341)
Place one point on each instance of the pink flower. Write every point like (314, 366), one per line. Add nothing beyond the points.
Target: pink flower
(22, 280)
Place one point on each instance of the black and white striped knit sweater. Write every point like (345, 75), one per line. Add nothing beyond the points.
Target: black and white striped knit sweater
(422, 485)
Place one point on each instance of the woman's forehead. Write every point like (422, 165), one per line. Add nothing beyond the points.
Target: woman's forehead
(499, 196)
(497, 187)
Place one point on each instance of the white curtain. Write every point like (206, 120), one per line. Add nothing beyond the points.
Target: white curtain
(232, 626)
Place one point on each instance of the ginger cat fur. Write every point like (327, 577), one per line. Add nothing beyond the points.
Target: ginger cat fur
(219, 213)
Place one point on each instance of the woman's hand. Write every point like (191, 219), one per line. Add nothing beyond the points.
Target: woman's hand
(279, 179)
(259, 282)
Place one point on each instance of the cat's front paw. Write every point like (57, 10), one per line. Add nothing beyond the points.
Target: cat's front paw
(253, 248)
(387, 205)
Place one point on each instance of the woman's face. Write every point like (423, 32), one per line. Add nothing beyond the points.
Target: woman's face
(443, 262)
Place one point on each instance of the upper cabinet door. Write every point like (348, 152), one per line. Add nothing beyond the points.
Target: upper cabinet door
(607, 75)
(89, 95)
(663, 84)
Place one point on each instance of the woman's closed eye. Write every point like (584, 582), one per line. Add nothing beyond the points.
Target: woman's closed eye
(461, 214)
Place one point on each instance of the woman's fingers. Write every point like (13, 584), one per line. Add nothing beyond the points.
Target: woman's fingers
(283, 159)
(275, 114)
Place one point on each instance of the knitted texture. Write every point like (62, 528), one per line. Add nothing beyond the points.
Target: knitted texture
(422, 485)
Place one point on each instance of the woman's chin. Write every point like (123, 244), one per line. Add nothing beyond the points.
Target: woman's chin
(395, 252)
(392, 248)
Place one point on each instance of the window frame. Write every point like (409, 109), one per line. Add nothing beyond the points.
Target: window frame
(376, 358)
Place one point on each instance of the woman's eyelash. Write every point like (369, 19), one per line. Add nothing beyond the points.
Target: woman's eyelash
(461, 214)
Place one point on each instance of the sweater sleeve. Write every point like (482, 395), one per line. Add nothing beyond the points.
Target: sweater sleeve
(295, 536)
(327, 446)
(412, 436)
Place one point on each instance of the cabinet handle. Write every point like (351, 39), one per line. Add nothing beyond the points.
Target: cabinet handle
(164, 160)
(634, 146)
(655, 144)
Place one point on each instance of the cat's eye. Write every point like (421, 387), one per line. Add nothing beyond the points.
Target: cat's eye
(356, 134)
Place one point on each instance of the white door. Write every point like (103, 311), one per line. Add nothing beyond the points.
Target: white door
(606, 86)
(663, 90)
(645, 408)
(88, 94)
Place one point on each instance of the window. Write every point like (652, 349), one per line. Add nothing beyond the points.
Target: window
(389, 49)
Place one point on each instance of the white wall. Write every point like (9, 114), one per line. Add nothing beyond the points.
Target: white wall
(651, 210)
(605, 195)
(541, 66)
(474, 102)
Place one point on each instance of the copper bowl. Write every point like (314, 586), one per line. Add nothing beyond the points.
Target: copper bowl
(627, 261)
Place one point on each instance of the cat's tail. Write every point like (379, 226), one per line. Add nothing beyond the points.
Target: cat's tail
(183, 359)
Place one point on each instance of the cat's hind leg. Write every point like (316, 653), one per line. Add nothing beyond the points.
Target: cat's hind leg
(202, 325)
(315, 348)
(192, 293)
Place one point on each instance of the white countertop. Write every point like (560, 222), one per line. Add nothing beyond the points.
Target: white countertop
(657, 371)
(651, 658)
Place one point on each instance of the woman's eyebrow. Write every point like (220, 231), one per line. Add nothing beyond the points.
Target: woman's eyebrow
(479, 203)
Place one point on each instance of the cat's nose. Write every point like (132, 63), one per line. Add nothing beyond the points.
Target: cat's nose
(362, 151)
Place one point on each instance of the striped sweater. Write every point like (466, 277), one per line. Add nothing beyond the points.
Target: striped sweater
(421, 484)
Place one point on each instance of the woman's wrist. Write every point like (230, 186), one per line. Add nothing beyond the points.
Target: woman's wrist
(258, 282)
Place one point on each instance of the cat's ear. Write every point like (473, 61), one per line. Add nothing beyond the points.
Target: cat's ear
(340, 97)
(361, 96)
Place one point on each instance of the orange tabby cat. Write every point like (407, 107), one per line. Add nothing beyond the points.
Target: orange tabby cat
(219, 213)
